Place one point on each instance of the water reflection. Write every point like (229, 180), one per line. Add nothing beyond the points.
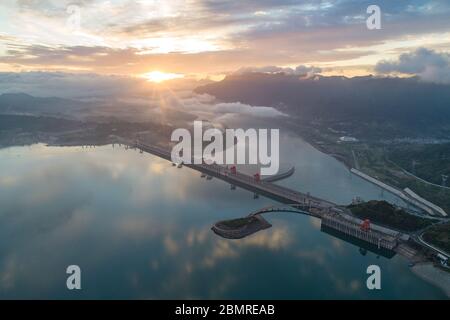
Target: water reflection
(364, 246)
(139, 228)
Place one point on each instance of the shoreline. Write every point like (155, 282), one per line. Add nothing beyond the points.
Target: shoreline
(424, 270)
(433, 275)
(319, 147)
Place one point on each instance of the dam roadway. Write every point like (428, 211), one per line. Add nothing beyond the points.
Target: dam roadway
(316, 206)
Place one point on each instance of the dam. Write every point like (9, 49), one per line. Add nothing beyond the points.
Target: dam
(332, 215)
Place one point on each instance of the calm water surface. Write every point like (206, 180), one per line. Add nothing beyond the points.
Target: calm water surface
(140, 228)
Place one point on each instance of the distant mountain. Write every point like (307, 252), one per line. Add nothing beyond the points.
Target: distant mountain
(21, 103)
(406, 102)
(37, 124)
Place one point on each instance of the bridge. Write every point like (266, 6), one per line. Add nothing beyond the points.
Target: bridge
(289, 208)
(308, 210)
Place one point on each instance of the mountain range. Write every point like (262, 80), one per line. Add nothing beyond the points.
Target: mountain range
(403, 102)
(22, 103)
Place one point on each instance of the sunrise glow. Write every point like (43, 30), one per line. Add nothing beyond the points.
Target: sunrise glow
(158, 76)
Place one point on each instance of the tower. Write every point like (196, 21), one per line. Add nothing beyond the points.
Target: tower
(444, 180)
(413, 166)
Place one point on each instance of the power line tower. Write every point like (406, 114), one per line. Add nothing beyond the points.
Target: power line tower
(444, 180)
(413, 166)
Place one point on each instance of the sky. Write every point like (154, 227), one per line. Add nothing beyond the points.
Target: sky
(212, 38)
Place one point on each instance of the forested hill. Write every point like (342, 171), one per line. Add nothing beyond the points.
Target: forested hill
(409, 102)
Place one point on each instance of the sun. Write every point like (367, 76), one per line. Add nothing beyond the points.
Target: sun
(158, 76)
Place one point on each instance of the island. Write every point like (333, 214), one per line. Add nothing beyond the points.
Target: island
(241, 227)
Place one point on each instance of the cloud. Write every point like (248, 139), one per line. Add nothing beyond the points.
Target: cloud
(131, 98)
(127, 37)
(429, 65)
(75, 86)
(107, 60)
(205, 107)
(299, 71)
(245, 109)
(307, 70)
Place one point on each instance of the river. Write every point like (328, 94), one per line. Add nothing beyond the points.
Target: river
(140, 229)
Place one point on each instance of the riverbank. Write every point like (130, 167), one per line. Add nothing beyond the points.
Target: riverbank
(324, 148)
(373, 158)
(437, 277)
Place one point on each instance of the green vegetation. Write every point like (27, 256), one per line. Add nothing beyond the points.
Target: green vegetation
(428, 162)
(385, 162)
(385, 156)
(439, 196)
(386, 214)
(439, 235)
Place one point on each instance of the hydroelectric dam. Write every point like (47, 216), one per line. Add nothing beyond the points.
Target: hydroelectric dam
(332, 216)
